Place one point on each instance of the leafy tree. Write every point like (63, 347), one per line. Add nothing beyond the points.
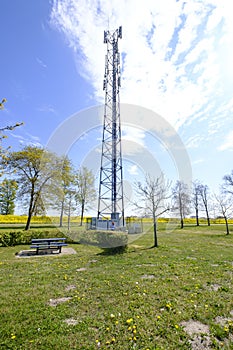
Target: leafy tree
(8, 190)
(153, 194)
(181, 199)
(70, 203)
(85, 189)
(204, 195)
(62, 188)
(34, 168)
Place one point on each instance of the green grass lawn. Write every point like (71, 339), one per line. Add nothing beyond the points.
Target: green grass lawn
(135, 300)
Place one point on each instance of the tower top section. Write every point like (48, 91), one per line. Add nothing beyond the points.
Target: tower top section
(110, 36)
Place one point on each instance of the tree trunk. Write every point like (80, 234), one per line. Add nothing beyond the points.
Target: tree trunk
(197, 218)
(207, 216)
(155, 234)
(69, 220)
(30, 210)
(82, 212)
(61, 214)
(227, 226)
(181, 222)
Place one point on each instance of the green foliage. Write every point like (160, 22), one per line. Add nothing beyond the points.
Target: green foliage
(35, 168)
(108, 240)
(111, 239)
(85, 189)
(8, 190)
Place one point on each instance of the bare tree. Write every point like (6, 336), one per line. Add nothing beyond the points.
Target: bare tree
(204, 194)
(227, 186)
(154, 193)
(195, 199)
(181, 199)
(4, 152)
(224, 204)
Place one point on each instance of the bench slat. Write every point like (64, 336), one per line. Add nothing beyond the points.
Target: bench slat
(48, 243)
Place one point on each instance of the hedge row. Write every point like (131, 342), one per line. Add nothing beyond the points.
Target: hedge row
(13, 238)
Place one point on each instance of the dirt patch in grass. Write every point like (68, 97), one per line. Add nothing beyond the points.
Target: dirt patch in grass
(45, 252)
(147, 277)
(199, 333)
(55, 302)
(195, 327)
(214, 287)
(71, 321)
(70, 287)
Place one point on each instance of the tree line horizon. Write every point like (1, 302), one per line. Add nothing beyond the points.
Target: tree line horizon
(40, 179)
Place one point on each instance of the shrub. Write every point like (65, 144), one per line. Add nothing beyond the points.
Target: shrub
(110, 241)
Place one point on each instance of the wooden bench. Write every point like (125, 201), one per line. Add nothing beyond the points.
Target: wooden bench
(48, 244)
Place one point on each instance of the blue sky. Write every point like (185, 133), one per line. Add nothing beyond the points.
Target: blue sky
(176, 61)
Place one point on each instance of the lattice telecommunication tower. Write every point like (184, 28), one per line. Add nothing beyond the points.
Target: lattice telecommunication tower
(110, 203)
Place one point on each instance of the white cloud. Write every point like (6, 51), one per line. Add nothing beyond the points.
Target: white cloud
(173, 61)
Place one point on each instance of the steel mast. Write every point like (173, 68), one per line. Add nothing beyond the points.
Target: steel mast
(110, 202)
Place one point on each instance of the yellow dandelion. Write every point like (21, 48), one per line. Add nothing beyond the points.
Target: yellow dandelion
(129, 320)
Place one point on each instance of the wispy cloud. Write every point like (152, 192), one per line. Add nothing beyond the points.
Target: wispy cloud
(47, 109)
(27, 139)
(41, 63)
(133, 134)
(227, 143)
(133, 170)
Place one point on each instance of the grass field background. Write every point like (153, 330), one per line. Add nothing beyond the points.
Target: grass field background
(141, 299)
